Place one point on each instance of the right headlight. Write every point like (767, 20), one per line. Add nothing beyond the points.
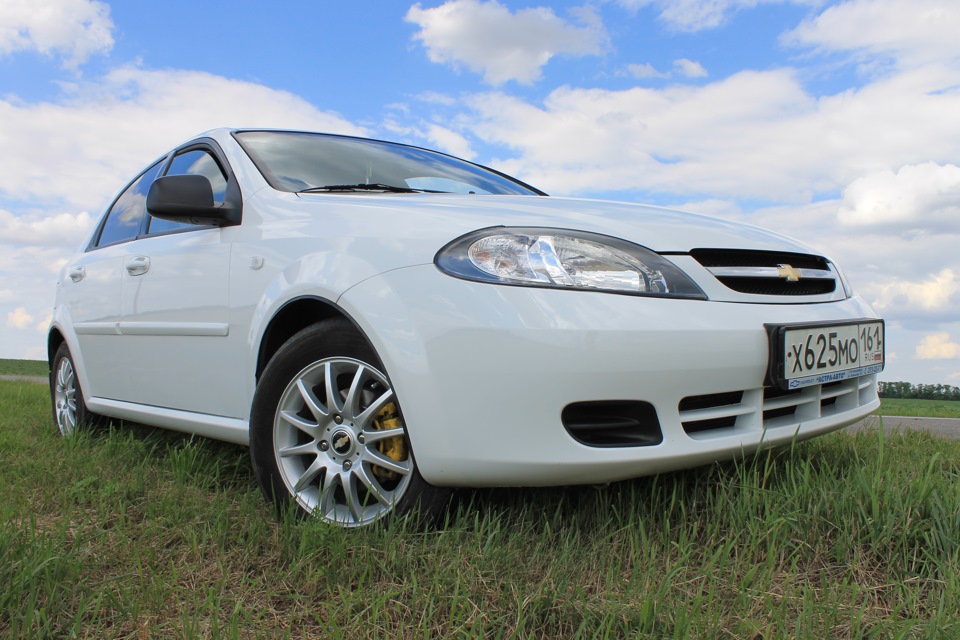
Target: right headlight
(563, 259)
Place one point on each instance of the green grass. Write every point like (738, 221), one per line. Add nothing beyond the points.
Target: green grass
(919, 408)
(24, 368)
(130, 532)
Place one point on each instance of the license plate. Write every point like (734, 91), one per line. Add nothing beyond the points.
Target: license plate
(804, 355)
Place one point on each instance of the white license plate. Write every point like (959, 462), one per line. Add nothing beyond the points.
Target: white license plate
(817, 354)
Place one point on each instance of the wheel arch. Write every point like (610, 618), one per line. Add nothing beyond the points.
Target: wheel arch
(54, 340)
(293, 316)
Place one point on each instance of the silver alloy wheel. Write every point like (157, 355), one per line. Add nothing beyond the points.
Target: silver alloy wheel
(340, 444)
(65, 397)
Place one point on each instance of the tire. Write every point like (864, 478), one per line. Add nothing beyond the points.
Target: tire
(326, 433)
(70, 412)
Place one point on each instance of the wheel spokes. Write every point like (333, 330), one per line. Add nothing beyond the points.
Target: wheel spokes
(403, 467)
(329, 443)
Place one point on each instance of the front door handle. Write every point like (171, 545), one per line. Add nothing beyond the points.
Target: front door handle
(138, 266)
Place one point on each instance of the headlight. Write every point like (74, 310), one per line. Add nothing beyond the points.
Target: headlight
(563, 259)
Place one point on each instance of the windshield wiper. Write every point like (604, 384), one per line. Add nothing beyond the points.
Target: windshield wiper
(376, 186)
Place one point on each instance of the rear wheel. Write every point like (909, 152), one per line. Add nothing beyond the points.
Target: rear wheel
(327, 432)
(69, 410)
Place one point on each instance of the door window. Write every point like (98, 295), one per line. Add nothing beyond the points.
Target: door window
(196, 162)
(125, 216)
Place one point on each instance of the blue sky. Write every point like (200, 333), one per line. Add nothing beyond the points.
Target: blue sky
(834, 122)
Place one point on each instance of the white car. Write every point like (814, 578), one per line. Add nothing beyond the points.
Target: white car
(379, 322)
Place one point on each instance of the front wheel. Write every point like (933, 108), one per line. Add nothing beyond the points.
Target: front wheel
(327, 432)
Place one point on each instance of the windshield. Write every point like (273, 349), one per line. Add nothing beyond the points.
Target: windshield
(295, 161)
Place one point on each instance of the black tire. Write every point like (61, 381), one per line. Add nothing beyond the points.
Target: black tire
(70, 412)
(347, 462)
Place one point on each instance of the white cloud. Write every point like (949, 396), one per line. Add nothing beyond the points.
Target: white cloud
(916, 196)
(444, 139)
(646, 70)
(689, 68)
(485, 37)
(935, 293)
(142, 113)
(62, 229)
(696, 15)
(914, 32)
(19, 318)
(752, 135)
(938, 346)
(683, 67)
(74, 29)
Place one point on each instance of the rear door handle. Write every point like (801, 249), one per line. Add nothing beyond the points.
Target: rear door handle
(138, 266)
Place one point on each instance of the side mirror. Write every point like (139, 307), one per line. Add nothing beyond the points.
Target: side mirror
(188, 199)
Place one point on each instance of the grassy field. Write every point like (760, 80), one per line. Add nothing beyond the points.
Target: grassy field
(130, 532)
(23, 367)
(920, 408)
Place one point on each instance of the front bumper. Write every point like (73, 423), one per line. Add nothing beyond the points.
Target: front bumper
(483, 373)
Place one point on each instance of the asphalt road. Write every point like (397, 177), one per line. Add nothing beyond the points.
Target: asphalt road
(944, 427)
(948, 428)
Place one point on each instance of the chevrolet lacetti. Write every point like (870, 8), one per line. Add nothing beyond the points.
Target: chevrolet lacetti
(380, 322)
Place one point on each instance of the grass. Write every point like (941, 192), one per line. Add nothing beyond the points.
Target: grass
(24, 368)
(130, 532)
(920, 408)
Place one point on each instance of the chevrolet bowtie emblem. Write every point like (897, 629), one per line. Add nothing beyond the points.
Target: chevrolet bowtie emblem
(788, 272)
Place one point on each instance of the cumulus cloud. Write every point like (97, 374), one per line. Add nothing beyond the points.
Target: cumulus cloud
(73, 29)
(916, 196)
(938, 346)
(911, 33)
(63, 229)
(751, 135)
(449, 141)
(142, 113)
(19, 318)
(935, 293)
(487, 38)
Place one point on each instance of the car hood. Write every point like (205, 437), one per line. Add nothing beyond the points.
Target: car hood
(439, 218)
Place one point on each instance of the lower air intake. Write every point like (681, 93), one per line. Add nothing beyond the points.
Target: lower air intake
(613, 423)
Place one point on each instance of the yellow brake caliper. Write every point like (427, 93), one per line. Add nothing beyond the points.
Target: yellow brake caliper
(393, 448)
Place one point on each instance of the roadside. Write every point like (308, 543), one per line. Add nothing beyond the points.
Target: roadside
(948, 428)
(38, 379)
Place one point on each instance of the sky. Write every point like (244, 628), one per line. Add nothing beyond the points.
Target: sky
(832, 122)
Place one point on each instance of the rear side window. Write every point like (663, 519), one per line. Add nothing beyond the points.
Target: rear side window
(199, 163)
(126, 214)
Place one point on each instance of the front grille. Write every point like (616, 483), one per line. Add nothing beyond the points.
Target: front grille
(723, 414)
(713, 411)
(766, 273)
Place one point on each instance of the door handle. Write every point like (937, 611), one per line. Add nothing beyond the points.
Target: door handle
(138, 266)
(77, 273)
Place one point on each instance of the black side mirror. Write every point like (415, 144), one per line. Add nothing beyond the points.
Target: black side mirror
(189, 199)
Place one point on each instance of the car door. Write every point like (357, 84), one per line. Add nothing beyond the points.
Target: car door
(175, 306)
(90, 289)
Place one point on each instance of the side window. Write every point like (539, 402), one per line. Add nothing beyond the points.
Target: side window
(126, 214)
(199, 163)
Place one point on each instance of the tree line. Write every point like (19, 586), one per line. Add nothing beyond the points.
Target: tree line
(918, 391)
